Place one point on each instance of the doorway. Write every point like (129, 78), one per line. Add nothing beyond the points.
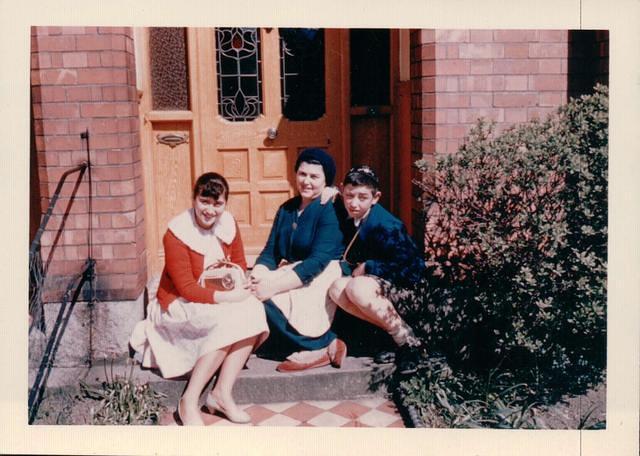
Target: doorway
(245, 101)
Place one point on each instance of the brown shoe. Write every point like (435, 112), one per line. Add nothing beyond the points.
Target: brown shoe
(292, 366)
(338, 353)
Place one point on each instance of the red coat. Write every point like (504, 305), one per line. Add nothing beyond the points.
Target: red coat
(183, 267)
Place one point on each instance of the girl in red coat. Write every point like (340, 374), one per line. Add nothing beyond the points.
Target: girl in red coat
(198, 329)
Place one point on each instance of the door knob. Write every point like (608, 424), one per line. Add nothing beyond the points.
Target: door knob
(272, 132)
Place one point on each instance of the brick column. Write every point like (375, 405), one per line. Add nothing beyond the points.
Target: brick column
(508, 76)
(423, 113)
(84, 78)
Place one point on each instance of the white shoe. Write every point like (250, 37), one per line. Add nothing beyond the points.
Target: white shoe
(197, 422)
(238, 416)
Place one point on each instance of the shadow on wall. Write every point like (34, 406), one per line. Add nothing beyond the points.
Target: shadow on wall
(588, 61)
(34, 180)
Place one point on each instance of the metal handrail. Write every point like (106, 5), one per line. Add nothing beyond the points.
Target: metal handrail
(36, 274)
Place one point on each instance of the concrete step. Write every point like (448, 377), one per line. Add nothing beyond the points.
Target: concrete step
(258, 383)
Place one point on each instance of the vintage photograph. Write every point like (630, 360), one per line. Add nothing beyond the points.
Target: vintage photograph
(320, 227)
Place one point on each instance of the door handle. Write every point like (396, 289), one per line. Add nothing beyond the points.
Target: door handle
(272, 133)
(172, 139)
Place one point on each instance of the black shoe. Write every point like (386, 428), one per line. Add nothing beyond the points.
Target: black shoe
(408, 359)
(384, 357)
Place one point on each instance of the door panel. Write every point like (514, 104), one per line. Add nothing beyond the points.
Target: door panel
(370, 144)
(171, 166)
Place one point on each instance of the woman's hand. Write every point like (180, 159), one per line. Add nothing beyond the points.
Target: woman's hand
(235, 295)
(328, 193)
(258, 273)
(263, 290)
(259, 283)
(273, 282)
(359, 270)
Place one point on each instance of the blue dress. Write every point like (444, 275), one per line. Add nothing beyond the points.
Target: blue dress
(311, 239)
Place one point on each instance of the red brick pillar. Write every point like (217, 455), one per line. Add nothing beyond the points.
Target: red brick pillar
(423, 113)
(84, 78)
(508, 76)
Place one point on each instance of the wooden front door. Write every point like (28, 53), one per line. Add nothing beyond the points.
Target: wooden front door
(252, 108)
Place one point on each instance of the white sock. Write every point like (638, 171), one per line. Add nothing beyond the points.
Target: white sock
(403, 334)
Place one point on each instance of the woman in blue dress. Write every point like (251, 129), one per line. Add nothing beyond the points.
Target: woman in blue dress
(298, 265)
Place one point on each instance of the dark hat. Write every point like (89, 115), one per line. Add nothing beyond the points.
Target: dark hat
(316, 156)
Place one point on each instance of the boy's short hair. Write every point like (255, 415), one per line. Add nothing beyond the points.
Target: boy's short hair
(362, 175)
(211, 185)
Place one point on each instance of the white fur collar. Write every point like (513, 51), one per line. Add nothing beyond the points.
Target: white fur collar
(185, 228)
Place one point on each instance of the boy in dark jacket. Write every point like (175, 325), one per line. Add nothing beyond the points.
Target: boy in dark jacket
(378, 250)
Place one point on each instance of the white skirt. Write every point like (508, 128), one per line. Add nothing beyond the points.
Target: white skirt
(309, 309)
(173, 340)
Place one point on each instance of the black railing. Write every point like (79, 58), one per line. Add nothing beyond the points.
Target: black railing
(37, 276)
(36, 270)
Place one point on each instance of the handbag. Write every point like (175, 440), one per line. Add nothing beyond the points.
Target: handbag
(222, 276)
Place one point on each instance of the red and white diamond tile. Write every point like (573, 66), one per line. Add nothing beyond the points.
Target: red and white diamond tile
(368, 412)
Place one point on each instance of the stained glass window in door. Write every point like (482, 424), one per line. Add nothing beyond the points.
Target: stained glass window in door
(238, 61)
(302, 73)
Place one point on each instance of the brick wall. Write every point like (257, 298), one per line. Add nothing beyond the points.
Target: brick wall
(84, 78)
(508, 76)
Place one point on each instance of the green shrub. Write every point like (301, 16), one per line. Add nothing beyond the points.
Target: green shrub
(516, 240)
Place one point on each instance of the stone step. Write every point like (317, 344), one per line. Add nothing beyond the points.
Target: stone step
(258, 383)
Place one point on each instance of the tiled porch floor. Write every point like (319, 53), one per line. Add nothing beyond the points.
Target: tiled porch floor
(368, 412)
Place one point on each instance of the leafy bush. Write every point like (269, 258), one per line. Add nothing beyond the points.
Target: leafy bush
(516, 240)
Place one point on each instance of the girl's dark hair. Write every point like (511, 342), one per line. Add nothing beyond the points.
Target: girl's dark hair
(362, 175)
(211, 185)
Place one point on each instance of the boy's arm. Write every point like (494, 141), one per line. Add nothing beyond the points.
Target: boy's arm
(399, 260)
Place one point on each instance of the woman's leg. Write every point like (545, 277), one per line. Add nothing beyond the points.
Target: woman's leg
(220, 398)
(202, 372)
(231, 366)
(279, 323)
(310, 351)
